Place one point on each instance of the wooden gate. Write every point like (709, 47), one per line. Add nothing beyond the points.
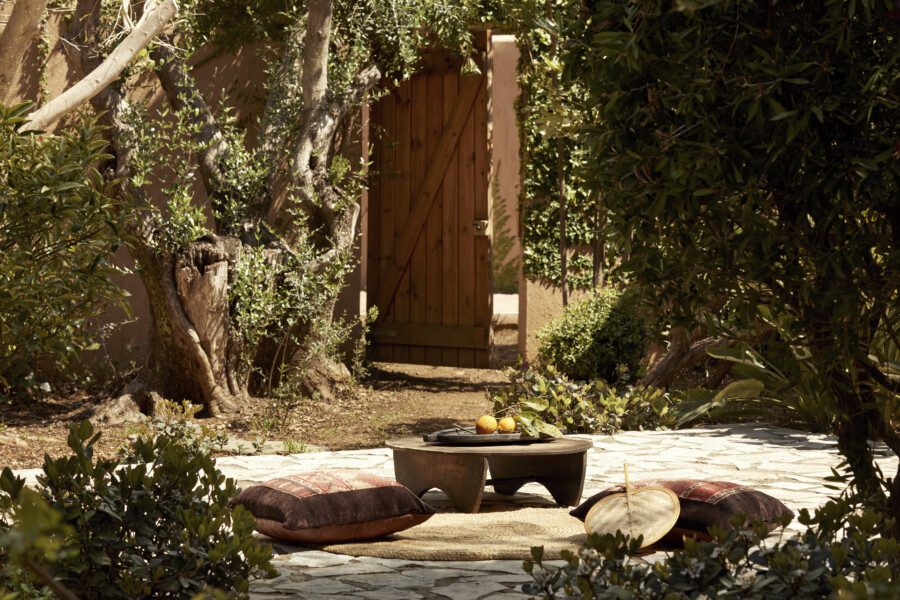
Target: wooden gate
(428, 242)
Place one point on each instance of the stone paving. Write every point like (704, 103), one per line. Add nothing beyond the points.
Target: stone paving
(790, 465)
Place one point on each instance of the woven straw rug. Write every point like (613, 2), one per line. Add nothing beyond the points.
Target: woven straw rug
(498, 534)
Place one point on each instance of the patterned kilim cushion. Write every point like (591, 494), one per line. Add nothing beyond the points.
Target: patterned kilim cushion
(704, 504)
(326, 507)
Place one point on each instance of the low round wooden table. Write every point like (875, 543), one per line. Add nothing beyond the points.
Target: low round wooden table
(461, 472)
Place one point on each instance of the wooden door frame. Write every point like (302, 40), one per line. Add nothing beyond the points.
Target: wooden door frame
(478, 338)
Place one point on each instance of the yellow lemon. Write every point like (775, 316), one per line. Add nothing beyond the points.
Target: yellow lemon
(486, 424)
(506, 425)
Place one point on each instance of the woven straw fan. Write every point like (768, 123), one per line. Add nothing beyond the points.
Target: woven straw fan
(648, 511)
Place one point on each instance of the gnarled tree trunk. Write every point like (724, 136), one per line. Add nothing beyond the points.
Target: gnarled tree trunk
(190, 355)
(195, 352)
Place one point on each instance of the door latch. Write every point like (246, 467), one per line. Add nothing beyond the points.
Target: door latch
(480, 227)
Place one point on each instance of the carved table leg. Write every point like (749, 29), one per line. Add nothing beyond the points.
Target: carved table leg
(562, 475)
(459, 476)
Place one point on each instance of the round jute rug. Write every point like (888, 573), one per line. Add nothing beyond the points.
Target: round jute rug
(495, 535)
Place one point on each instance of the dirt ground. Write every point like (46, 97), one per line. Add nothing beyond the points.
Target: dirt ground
(397, 400)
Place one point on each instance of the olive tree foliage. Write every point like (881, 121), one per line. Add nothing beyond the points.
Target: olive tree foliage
(749, 158)
(254, 286)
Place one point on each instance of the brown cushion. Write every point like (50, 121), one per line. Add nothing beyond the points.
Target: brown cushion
(705, 504)
(324, 507)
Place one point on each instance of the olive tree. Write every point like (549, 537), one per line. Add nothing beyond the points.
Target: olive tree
(255, 288)
(748, 156)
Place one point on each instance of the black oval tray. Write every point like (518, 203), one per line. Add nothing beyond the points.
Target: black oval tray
(466, 436)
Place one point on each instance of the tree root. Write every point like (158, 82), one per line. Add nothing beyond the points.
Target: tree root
(134, 405)
(324, 379)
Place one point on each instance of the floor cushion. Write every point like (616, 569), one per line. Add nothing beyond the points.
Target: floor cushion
(703, 505)
(331, 506)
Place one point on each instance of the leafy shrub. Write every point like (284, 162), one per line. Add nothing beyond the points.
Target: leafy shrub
(747, 156)
(601, 337)
(59, 224)
(158, 527)
(174, 420)
(843, 554)
(544, 401)
(37, 536)
(792, 392)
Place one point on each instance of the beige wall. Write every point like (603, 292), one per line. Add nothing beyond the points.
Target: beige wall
(538, 305)
(505, 160)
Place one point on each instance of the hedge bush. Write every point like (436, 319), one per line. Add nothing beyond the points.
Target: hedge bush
(156, 526)
(601, 337)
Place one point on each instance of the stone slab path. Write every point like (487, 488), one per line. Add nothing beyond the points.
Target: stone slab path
(790, 465)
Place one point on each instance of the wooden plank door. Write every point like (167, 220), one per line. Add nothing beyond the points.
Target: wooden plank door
(428, 237)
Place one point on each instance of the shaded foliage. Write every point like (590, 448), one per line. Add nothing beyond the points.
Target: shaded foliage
(59, 225)
(748, 156)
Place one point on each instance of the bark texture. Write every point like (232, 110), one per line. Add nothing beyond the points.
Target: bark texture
(108, 71)
(17, 36)
(685, 352)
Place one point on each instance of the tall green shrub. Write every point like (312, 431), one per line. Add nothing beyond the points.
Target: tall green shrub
(748, 153)
(543, 114)
(601, 337)
(59, 226)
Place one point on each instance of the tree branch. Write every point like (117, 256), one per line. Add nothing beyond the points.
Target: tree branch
(183, 93)
(15, 40)
(314, 80)
(110, 103)
(283, 96)
(314, 124)
(311, 156)
(47, 579)
(321, 113)
(682, 354)
(150, 25)
(315, 54)
(878, 376)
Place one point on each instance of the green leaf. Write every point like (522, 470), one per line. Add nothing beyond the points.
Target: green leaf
(537, 405)
(739, 390)
(784, 115)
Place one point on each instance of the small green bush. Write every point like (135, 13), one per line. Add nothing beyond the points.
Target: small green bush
(601, 337)
(843, 554)
(538, 398)
(157, 526)
(177, 420)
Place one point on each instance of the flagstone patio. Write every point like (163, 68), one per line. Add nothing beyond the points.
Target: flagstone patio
(790, 465)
